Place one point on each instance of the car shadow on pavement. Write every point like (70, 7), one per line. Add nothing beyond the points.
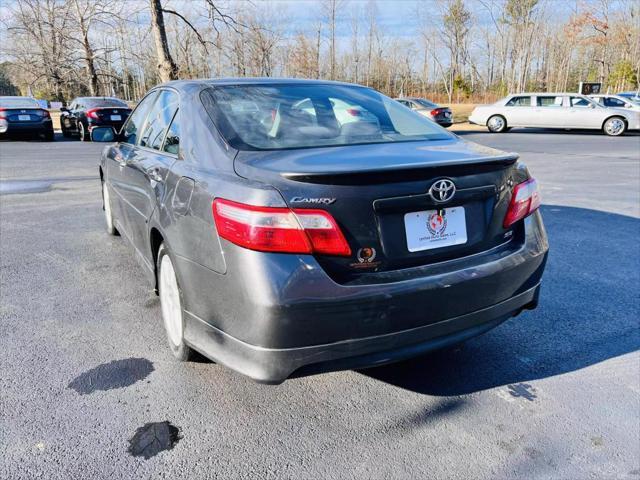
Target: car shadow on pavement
(588, 313)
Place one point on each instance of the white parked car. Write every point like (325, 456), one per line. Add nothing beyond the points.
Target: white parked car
(554, 110)
(617, 101)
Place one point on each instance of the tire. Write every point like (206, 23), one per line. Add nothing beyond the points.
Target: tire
(497, 124)
(108, 213)
(82, 133)
(171, 306)
(65, 132)
(614, 126)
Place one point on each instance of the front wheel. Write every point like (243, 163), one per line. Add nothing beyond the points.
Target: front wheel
(497, 124)
(171, 305)
(614, 126)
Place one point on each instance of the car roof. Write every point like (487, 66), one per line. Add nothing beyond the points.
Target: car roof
(205, 82)
(546, 94)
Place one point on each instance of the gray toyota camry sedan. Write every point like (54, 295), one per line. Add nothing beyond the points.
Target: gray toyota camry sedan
(295, 226)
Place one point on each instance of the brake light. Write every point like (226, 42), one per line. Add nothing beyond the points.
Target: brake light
(2, 114)
(276, 229)
(436, 111)
(93, 113)
(524, 201)
(46, 114)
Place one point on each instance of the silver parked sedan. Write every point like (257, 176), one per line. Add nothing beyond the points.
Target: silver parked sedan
(554, 110)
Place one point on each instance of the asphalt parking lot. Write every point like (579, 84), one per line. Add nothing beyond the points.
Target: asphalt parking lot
(553, 393)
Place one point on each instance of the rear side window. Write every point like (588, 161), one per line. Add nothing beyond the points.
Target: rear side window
(579, 102)
(159, 119)
(613, 102)
(172, 140)
(134, 124)
(549, 101)
(519, 102)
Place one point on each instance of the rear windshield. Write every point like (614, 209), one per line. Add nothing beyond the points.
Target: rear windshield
(24, 102)
(268, 117)
(104, 102)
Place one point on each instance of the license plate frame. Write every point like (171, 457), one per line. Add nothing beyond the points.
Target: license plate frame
(424, 230)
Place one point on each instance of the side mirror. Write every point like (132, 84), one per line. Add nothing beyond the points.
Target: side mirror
(627, 105)
(591, 105)
(103, 134)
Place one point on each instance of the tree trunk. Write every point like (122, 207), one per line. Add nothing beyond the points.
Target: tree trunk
(167, 69)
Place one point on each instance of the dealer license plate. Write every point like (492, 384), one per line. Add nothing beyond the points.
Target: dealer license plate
(434, 229)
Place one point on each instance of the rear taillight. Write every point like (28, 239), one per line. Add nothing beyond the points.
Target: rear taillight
(46, 114)
(436, 111)
(275, 229)
(2, 113)
(354, 112)
(93, 113)
(524, 201)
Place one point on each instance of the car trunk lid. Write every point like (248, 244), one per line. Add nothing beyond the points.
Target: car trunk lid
(371, 190)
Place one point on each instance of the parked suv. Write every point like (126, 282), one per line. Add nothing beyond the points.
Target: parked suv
(86, 113)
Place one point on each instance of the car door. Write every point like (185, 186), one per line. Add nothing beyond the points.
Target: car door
(116, 161)
(145, 172)
(549, 111)
(583, 113)
(519, 112)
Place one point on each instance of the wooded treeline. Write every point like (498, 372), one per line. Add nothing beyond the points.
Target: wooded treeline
(456, 51)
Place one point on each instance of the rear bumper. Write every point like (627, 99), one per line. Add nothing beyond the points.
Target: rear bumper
(272, 314)
(27, 127)
(274, 365)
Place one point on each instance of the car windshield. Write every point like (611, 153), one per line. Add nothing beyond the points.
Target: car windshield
(23, 102)
(425, 103)
(271, 117)
(105, 103)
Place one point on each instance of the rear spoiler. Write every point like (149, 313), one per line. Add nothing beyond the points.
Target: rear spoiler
(404, 172)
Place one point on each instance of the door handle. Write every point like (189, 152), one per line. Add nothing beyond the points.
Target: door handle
(155, 175)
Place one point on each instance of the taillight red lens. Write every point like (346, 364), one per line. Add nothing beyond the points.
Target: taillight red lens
(435, 111)
(275, 229)
(354, 112)
(2, 114)
(524, 201)
(46, 114)
(92, 113)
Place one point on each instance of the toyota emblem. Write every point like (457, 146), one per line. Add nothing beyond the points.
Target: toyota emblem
(442, 190)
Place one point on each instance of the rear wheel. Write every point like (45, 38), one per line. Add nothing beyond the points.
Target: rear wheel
(171, 305)
(614, 126)
(84, 135)
(497, 124)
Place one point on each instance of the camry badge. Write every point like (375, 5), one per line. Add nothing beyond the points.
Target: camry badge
(442, 190)
(320, 200)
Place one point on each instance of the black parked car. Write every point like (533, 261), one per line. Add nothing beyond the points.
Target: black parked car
(282, 240)
(86, 113)
(24, 116)
(441, 115)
